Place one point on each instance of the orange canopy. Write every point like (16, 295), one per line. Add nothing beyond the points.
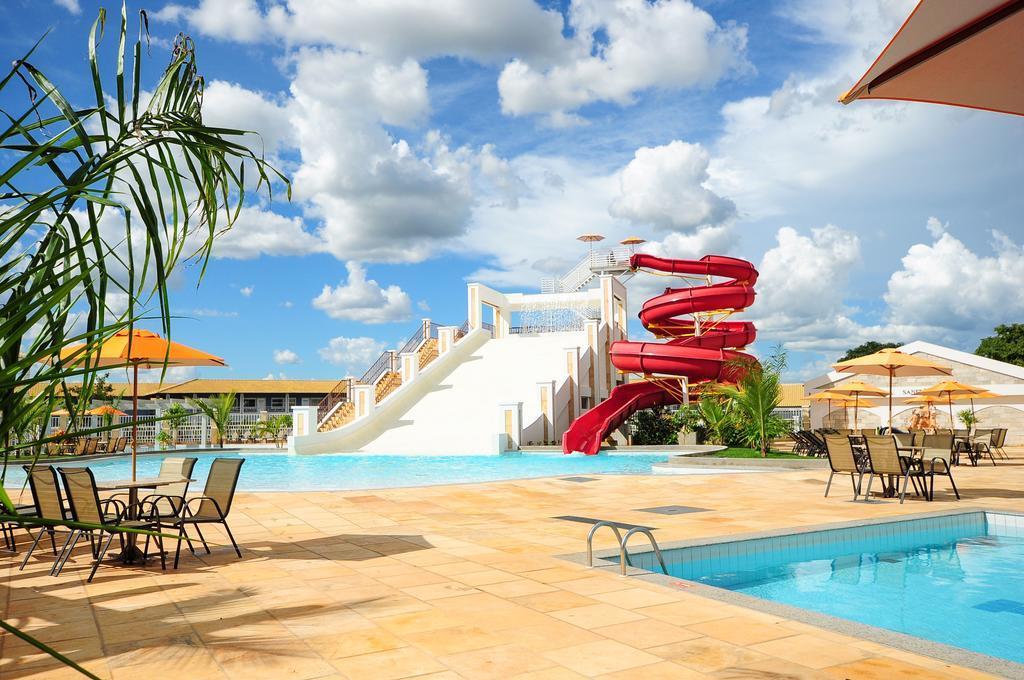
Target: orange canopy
(891, 362)
(105, 410)
(139, 349)
(958, 52)
(856, 388)
(144, 349)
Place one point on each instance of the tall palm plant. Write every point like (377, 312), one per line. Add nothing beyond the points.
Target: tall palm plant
(218, 409)
(98, 204)
(755, 397)
(716, 415)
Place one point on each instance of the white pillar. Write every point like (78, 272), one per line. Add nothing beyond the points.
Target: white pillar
(410, 367)
(572, 384)
(546, 398)
(445, 339)
(364, 397)
(304, 420)
(204, 430)
(510, 426)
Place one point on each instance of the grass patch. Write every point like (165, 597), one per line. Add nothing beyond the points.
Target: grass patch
(739, 452)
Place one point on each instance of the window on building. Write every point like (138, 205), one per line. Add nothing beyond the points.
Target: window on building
(248, 406)
(277, 403)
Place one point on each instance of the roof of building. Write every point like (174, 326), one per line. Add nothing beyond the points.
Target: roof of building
(218, 386)
(145, 389)
(948, 353)
(792, 395)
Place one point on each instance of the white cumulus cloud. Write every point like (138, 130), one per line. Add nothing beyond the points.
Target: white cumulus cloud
(621, 48)
(353, 354)
(945, 286)
(364, 300)
(286, 356)
(665, 186)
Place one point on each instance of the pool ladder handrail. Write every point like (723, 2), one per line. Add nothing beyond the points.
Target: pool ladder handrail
(623, 540)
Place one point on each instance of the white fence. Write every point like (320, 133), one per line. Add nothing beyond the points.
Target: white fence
(197, 428)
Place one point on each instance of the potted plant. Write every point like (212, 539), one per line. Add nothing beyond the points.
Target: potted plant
(164, 439)
(968, 418)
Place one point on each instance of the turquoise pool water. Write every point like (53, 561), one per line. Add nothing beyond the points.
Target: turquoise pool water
(957, 579)
(283, 472)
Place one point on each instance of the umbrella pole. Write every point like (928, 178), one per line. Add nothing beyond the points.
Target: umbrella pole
(856, 406)
(949, 400)
(135, 416)
(890, 402)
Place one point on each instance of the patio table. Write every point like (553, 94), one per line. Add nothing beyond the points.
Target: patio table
(131, 552)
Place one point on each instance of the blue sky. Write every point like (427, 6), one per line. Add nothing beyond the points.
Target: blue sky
(433, 145)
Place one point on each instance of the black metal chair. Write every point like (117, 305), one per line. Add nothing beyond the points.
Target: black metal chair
(210, 508)
(87, 508)
(48, 504)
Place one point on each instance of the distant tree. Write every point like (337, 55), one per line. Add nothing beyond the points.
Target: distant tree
(867, 348)
(1006, 345)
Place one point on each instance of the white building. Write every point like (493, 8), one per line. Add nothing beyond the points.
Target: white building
(1006, 380)
(517, 372)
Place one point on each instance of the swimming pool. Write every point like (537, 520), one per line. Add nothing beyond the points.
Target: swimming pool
(956, 579)
(325, 472)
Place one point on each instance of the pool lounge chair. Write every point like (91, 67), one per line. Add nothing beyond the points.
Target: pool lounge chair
(170, 502)
(87, 507)
(998, 440)
(842, 460)
(936, 462)
(884, 460)
(48, 503)
(210, 508)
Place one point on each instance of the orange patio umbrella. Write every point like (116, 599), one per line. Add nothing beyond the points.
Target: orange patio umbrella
(857, 389)
(139, 349)
(105, 410)
(840, 399)
(959, 52)
(981, 395)
(828, 397)
(951, 389)
(891, 362)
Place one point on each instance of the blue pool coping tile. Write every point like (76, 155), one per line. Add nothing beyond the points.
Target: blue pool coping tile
(1010, 523)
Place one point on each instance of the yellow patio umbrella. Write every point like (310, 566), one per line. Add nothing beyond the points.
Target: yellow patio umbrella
(981, 395)
(632, 242)
(105, 410)
(963, 53)
(891, 362)
(139, 349)
(828, 397)
(857, 389)
(951, 389)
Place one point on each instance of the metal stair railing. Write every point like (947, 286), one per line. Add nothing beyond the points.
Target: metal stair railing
(623, 541)
(584, 271)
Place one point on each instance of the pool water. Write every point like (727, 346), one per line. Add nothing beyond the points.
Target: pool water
(956, 579)
(283, 472)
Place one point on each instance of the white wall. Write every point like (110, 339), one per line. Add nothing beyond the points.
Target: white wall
(456, 410)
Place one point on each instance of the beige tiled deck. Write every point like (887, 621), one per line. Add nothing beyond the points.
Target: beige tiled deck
(459, 582)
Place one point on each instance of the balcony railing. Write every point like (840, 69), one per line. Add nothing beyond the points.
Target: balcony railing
(385, 363)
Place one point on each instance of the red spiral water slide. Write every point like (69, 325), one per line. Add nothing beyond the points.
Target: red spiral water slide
(697, 357)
